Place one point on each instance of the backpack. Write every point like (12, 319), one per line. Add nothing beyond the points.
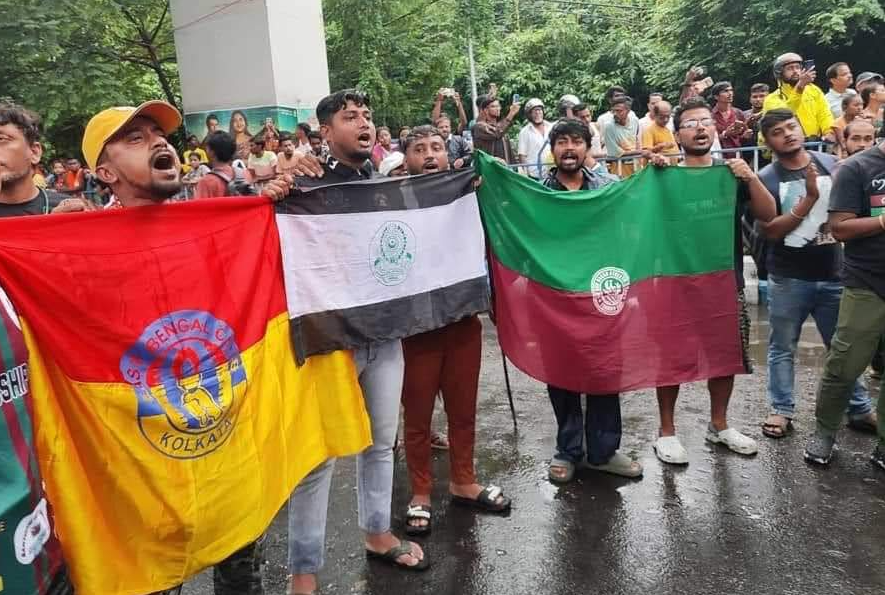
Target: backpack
(236, 186)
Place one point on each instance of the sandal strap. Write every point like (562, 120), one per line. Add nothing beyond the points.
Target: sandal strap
(403, 549)
(418, 512)
(490, 494)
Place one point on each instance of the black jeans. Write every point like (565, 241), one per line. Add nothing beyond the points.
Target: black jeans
(600, 426)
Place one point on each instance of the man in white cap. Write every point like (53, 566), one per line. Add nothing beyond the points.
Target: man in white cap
(393, 166)
(867, 78)
(533, 139)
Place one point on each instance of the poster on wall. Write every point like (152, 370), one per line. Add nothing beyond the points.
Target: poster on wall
(244, 123)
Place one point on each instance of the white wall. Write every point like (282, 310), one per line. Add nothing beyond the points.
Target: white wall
(254, 53)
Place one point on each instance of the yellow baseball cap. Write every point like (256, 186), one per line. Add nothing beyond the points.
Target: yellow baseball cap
(104, 125)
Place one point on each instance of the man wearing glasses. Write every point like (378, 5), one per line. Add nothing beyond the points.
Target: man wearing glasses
(695, 132)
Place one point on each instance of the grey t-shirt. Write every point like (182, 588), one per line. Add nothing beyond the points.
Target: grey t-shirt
(860, 189)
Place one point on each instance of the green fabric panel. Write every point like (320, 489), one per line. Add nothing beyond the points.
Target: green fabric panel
(659, 222)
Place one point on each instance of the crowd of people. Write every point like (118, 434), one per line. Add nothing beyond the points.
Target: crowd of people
(816, 215)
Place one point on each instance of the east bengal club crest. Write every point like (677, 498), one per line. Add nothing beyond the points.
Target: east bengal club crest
(189, 378)
(610, 286)
(392, 252)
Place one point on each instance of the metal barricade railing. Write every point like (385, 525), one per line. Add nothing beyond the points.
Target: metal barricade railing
(756, 151)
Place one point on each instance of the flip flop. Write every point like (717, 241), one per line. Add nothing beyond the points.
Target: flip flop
(569, 471)
(393, 555)
(777, 430)
(620, 464)
(487, 500)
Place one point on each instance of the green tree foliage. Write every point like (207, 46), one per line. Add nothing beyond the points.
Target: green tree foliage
(547, 48)
(739, 40)
(68, 59)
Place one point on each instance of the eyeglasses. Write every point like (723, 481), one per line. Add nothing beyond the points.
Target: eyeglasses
(695, 123)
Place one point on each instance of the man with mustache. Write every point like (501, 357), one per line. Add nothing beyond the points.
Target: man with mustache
(803, 266)
(695, 132)
(129, 151)
(346, 124)
(31, 565)
(444, 360)
(570, 143)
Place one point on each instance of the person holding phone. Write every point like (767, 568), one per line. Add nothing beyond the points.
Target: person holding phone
(730, 121)
(490, 132)
(796, 91)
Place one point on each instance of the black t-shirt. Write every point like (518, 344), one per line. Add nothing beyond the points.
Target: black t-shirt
(42, 203)
(860, 189)
(335, 172)
(809, 252)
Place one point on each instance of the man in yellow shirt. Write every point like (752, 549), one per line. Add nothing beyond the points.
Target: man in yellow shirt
(796, 91)
(656, 137)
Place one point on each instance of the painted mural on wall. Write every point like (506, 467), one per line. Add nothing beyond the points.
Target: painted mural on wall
(245, 123)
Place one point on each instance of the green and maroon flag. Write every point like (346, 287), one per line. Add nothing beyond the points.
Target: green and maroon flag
(627, 287)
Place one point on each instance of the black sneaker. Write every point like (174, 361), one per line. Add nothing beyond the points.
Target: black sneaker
(819, 449)
(878, 458)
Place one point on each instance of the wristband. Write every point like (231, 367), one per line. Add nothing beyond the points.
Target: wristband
(793, 213)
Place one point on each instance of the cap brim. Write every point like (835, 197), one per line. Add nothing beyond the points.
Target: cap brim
(167, 117)
(164, 114)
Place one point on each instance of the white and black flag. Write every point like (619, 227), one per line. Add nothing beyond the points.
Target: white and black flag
(381, 259)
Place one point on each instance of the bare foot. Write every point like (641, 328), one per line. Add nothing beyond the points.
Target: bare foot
(383, 542)
(302, 584)
(419, 501)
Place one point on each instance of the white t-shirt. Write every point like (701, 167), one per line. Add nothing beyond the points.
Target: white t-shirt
(533, 145)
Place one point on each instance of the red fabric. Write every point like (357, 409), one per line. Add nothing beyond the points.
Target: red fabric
(723, 121)
(672, 330)
(446, 360)
(186, 245)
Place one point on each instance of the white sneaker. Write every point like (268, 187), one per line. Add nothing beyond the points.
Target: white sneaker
(670, 450)
(734, 440)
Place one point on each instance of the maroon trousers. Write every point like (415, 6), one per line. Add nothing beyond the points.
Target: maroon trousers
(446, 359)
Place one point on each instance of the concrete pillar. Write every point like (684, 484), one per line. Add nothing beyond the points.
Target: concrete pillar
(263, 58)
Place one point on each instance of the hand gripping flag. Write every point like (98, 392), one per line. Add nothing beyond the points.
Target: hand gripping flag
(627, 287)
(172, 421)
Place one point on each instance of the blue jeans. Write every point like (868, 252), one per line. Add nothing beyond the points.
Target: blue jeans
(601, 426)
(380, 368)
(791, 301)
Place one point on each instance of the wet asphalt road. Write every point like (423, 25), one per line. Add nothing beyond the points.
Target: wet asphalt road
(725, 524)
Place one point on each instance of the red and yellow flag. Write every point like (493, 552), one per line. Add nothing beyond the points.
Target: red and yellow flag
(172, 421)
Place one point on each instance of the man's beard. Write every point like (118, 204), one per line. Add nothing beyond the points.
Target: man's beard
(359, 154)
(161, 190)
(12, 178)
(571, 167)
(696, 151)
(789, 154)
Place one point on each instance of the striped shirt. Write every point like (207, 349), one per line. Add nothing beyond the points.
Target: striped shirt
(29, 552)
